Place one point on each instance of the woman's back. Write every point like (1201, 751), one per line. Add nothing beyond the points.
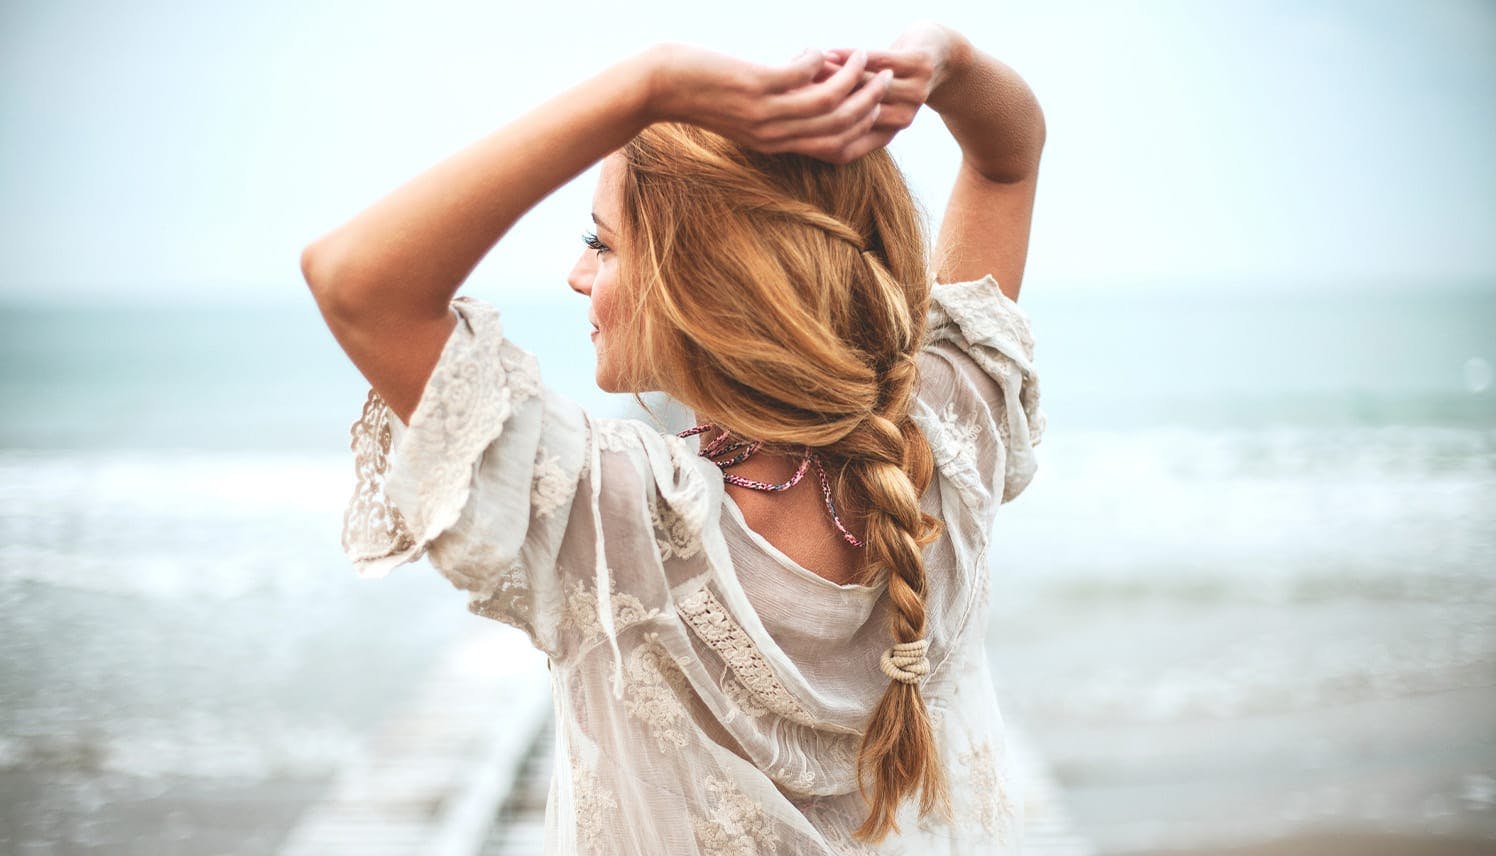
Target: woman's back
(794, 523)
(724, 691)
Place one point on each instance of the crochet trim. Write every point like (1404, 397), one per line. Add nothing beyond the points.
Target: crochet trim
(711, 621)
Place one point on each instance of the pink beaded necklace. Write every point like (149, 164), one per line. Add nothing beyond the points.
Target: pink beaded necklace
(720, 446)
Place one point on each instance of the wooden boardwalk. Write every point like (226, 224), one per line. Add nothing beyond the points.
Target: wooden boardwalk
(519, 823)
(465, 770)
(431, 777)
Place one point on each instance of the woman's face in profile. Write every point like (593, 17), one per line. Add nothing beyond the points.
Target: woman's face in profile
(596, 276)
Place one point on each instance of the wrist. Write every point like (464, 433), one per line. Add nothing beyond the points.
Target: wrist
(630, 84)
(653, 67)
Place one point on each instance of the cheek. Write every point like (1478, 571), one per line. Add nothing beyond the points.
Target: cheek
(605, 297)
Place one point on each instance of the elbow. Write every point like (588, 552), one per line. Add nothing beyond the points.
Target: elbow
(316, 267)
(1041, 127)
(1025, 162)
(321, 271)
(1033, 146)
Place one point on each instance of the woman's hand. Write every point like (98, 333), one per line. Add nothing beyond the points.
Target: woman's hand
(809, 105)
(921, 59)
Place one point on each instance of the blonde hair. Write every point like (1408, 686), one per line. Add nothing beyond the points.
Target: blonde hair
(784, 298)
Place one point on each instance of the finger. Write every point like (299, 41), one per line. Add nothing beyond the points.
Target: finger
(903, 90)
(821, 97)
(798, 72)
(849, 113)
(855, 135)
(823, 136)
(912, 89)
(828, 68)
(836, 148)
(896, 117)
(905, 63)
(875, 139)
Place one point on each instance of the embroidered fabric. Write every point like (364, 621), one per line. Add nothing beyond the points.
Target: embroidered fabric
(711, 694)
(711, 621)
(987, 342)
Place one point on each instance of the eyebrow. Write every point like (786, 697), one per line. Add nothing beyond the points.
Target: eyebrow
(601, 223)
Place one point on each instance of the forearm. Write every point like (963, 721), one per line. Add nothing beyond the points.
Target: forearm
(991, 112)
(408, 253)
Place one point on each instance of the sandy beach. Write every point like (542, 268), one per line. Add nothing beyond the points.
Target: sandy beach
(42, 812)
(1347, 844)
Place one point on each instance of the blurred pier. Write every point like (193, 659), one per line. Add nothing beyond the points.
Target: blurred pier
(434, 774)
(465, 770)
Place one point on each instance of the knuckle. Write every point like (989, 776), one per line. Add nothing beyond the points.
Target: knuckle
(824, 101)
(748, 83)
(767, 134)
(848, 114)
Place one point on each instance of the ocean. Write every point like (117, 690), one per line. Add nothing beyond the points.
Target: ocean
(1248, 596)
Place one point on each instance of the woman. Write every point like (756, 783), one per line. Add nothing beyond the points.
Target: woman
(765, 633)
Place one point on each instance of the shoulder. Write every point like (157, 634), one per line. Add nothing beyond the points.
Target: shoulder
(979, 311)
(977, 398)
(637, 463)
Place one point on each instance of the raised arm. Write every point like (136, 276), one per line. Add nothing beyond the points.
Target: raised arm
(999, 126)
(996, 121)
(385, 279)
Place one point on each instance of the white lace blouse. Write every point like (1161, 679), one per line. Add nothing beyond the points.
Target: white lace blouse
(710, 693)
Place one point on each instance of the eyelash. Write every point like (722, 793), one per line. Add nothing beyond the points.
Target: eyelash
(590, 239)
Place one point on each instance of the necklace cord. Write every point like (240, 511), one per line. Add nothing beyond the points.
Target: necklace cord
(721, 445)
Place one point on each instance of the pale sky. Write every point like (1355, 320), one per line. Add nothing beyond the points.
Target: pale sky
(190, 150)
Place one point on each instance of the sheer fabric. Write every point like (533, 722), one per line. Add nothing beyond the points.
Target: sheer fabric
(710, 693)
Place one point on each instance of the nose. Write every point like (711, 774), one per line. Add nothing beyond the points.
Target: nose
(580, 278)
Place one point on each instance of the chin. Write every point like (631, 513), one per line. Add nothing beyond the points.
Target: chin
(607, 383)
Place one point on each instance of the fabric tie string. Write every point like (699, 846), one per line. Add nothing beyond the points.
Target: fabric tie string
(722, 445)
(906, 661)
(604, 585)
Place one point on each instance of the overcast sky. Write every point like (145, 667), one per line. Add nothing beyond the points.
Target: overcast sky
(192, 149)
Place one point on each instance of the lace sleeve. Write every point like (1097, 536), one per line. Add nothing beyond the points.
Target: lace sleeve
(553, 521)
(480, 480)
(978, 395)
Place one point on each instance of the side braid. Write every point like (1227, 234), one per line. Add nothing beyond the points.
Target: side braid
(887, 461)
(898, 750)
